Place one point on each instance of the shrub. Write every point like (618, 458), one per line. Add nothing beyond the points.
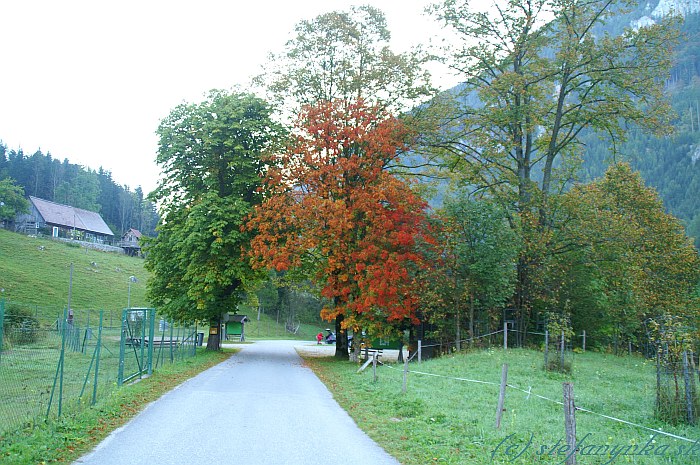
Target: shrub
(20, 326)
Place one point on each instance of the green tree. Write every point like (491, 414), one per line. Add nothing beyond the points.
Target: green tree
(12, 201)
(210, 154)
(477, 272)
(81, 190)
(640, 263)
(535, 77)
(345, 55)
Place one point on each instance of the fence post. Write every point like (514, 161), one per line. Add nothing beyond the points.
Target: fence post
(151, 338)
(546, 349)
(688, 389)
(658, 379)
(570, 422)
(172, 324)
(374, 366)
(561, 354)
(420, 351)
(2, 323)
(97, 358)
(501, 395)
(584, 340)
(122, 348)
(405, 373)
(505, 335)
(58, 377)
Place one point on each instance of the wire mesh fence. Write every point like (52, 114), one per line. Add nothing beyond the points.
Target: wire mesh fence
(58, 361)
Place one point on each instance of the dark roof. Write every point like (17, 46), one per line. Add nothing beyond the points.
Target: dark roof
(64, 215)
(238, 318)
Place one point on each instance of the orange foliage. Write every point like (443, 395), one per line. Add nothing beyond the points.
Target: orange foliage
(330, 199)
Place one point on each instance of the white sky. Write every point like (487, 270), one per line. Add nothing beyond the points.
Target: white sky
(90, 80)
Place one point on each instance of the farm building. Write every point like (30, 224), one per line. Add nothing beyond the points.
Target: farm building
(63, 221)
(130, 242)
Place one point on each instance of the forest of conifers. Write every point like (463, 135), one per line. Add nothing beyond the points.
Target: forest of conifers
(41, 175)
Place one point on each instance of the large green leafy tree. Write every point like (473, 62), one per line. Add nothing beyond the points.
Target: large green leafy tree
(210, 154)
(640, 264)
(536, 76)
(12, 201)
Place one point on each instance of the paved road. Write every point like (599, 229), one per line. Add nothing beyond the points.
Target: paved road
(261, 406)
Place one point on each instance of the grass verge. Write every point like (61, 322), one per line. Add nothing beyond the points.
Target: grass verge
(444, 420)
(66, 439)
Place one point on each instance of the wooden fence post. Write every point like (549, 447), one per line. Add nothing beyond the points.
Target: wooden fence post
(420, 351)
(688, 389)
(405, 373)
(584, 340)
(505, 335)
(501, 395)
(374, 365)
(561, 353)
(546, 349)
(570, 422)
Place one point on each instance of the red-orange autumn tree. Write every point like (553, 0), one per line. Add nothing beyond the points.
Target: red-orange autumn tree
(331, 202)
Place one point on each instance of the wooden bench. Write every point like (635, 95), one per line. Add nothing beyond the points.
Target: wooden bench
(162, 342)
(133, 341)
(366, 353)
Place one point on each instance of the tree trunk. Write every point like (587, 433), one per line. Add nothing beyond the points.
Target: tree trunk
(356, 343)
(341, 339)
(214, 341)
(522, 299)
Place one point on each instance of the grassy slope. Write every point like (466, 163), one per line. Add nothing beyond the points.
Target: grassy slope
(268, 328)
(442, 420)
(40, 278)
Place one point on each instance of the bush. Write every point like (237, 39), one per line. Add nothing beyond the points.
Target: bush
(20, 326)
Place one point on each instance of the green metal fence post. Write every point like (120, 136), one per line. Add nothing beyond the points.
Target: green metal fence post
(61, 325)
(143, 340)
(152, 321)
(172, 322)
(122, 349)
(97, 359)
(2, 323)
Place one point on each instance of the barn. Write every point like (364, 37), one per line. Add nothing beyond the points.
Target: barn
(63, 221)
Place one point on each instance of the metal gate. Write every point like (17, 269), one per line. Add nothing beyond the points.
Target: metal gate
(136, 348)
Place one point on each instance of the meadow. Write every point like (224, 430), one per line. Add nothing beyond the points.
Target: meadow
(35, 272)
(443, 419)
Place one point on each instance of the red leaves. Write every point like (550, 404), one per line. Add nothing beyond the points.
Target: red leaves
(330, 197)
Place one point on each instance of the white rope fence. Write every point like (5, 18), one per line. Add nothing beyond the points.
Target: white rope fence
(529, 393)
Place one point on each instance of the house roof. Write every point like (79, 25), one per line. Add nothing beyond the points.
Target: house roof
(237, 318)
(134, 232)
(64, 215)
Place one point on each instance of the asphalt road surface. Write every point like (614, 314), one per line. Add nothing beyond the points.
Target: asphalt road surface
(261, 406)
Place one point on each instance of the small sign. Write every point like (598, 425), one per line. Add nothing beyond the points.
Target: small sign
(213, 330)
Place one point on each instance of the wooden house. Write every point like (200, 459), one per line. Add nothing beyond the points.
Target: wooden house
(63, 221)
(130, 242)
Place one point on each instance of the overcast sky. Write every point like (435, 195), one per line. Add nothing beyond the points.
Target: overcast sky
(90, 80)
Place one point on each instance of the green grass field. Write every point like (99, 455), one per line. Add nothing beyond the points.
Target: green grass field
(269, 328)
(444, 420)
(36, 273)
(75, 433)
